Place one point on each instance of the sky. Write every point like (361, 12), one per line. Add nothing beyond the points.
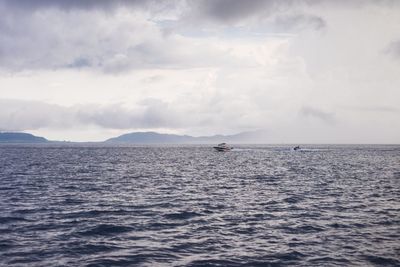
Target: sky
(297, 71)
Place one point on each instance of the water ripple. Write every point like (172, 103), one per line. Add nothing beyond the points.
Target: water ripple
(191, 206)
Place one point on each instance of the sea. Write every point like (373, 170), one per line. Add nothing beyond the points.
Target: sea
(188, 205)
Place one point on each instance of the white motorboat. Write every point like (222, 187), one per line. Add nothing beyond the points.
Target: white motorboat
(222, 147)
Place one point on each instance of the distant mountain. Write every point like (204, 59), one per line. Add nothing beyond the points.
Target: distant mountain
(8, 137)
(253, 137)
(150, 138)
(159, 138)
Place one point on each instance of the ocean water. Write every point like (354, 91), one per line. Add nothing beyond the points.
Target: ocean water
(192, 206)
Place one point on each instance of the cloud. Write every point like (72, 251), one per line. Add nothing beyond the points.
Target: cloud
(262, 15)
(317, 113)
(393, 49)
(53, 39)
(374, 109)
(200, 67)
(231, 10)
(118, 36)
(219, 9)
(299, 21)
(29, 5)
(149, 113)
(18, 115)
(213, 112)
(46, 35)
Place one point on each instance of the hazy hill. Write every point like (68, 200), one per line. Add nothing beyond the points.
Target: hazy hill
(150, 137)
(7, 137)
(147, 138)
(159, 138)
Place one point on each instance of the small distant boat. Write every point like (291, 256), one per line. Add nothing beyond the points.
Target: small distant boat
(222, 147)
(296, 148)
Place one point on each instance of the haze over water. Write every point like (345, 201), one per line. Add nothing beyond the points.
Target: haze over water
(192, 206)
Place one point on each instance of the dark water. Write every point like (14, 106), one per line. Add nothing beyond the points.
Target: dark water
(191, 206)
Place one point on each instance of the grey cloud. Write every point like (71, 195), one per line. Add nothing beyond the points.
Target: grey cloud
(19, 115)
(128, 45)
(219, 9)
(73, 41)
(56, 40)
(150, 113)
(232, 10)
(393, 49)
(317, 113)
(384, 109)
(299, 21)
(79, 62)
(73, 4)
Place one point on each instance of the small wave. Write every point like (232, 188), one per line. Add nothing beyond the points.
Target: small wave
(382, 260)
(7, 245)
(267, 178)
(293, 200)
(11, 219)
(121, 261)
(185, 215)
(5, 188)
(214, 262)
(71, 201)
(290, 256)
(326, 260)
(106, 229)
(302, 229)
(338, 225)
(95, 213)
(94, 248)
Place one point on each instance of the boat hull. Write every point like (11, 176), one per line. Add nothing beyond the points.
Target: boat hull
(222, 149)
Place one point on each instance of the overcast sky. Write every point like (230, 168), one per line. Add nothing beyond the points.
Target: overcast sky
(301, 71)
